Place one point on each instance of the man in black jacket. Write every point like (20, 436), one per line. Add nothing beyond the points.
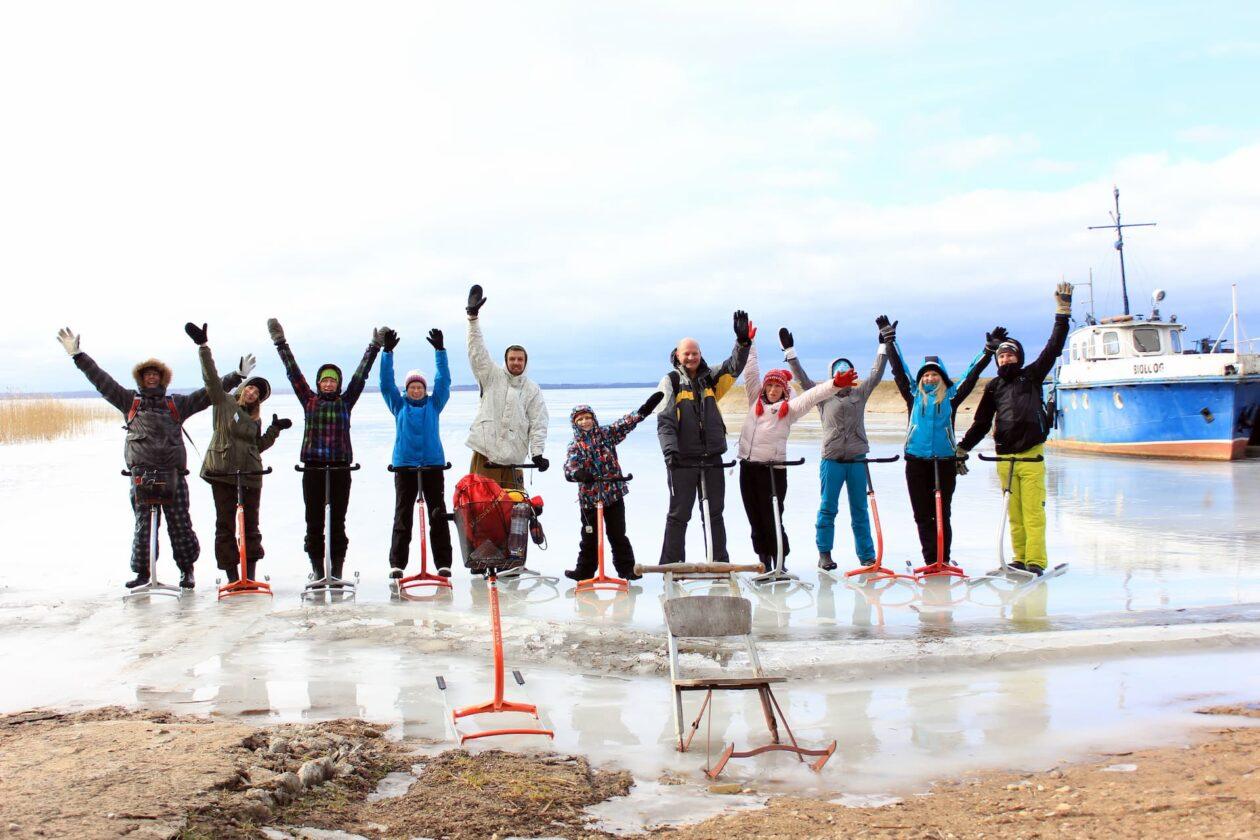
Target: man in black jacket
(691, 432)
(155, 425)
(1013, 398)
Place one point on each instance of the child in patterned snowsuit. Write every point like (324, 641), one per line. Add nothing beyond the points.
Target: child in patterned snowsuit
(592, 455)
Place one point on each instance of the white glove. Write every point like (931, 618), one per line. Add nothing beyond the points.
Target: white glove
(68, 340)
(248, 363)
(789, 354)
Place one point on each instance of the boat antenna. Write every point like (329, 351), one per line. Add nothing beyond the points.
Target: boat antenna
(1119, 229)
(1089, 316)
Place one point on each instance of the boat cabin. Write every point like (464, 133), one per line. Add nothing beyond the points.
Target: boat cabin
(1124, 337)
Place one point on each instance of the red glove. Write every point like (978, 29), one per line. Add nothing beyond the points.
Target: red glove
(845, 378)
(752, 331)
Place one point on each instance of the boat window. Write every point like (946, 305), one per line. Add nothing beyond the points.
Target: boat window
(1074, 352)
(1111, 343)
(1176, 341)
(1146, 339)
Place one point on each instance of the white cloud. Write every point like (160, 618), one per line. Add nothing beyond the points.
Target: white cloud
(969, 152)
(1207, 134)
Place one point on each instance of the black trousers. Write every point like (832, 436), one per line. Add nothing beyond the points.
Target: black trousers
(313, 496)
(923, 501)
(407, 485)
(226, 554)
(684, 487)
(615, 528)
(754, 486)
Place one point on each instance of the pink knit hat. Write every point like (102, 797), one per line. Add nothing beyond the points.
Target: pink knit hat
(783, 377)
(415, 376)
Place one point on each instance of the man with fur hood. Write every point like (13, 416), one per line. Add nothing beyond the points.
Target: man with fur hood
(511, 422)
(593, 455)
(844, 442)
(155, 425)
(1013, 398)
(691, 430)
(326, 441)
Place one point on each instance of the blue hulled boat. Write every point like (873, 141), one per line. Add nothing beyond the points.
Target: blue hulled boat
(1129, 385)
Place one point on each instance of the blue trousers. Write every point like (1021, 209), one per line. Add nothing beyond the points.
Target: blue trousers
(834, 476)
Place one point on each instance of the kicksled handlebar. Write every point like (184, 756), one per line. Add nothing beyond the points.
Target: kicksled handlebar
(869, 460)
(698, 465)
(143, 470)
(795, 463)
(1011, 458)
(236, 473)
(698, 569)
(492, 465)
(394, 469)
(604, 479)
(325, 467)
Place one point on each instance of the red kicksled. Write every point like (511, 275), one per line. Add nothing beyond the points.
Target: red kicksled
(243, 585)
(483, 518)
(940, 567)
(441, 585)
(602, 582)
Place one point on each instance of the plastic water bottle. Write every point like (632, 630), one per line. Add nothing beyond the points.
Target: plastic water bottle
(518, 536)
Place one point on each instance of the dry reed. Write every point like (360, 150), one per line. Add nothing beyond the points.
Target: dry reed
(24, 420)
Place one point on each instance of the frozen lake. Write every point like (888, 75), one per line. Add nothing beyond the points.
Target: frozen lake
(1161, 596)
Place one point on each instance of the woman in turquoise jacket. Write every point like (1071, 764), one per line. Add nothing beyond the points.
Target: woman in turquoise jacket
(932, 401)
(418, 443)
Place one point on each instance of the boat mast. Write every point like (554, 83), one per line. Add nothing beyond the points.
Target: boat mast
(1119, 229)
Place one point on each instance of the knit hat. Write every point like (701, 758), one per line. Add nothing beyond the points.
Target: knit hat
(263, 386)
(415, 376)
(781, 376)
(164, 372)
(329, 371)
(934, 363)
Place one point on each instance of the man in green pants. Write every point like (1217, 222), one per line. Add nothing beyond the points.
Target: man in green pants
(1013, 400)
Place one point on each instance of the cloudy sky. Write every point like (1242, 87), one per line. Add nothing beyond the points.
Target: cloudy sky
(615, 175)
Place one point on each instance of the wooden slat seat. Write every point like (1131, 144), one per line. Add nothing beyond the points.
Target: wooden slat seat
(727, 682)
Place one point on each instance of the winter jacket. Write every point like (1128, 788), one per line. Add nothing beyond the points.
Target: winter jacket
(154, 435)
(596, 452)
(511, 422)
(1014, 398)
(689, 424)
(237, 440)
(765, 434)
(930, 433)
(844, 415)
(417, 441)
(326, 438)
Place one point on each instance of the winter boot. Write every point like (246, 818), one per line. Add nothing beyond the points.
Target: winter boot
(317, 568)
(825, 562)
(232, 575)
(767, 562)
(141, 579)
(338, 564)
(251, 569)
(395, 574)
(572, 574)
(444, 572)
(867, 561)
(186, 579)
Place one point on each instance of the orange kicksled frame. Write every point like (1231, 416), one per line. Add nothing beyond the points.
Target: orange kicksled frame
(602, 582)
(243, 585)
(425, 578)
(483, 526)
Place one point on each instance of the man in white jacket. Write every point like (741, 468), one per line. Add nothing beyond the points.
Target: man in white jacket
(511, 422)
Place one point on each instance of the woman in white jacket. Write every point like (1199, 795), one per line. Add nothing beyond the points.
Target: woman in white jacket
(771, 412)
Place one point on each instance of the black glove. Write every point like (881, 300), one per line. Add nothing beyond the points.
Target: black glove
(785, 339)
(196, 333)
(541, 462)
(993, 339)
(741, 328)
(476, 300)
(963, 454)
(887, 329)
(650, 405)
(435, 338)
(281, 423)
(389, 340)
(584, 476)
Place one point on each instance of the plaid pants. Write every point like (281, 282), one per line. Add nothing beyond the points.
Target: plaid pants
(179, 529)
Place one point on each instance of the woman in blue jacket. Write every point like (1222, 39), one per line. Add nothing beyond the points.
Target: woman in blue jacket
(417, 443)
(933, 401)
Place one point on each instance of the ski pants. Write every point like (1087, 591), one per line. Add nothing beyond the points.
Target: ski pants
(684, 492)
(919, 481)
(313, 496)
(507, 479)
(407, 485)
(834, 477)
(615, 528)
(227, 555)
(1027, 506)
(759, 504)
(179, 529)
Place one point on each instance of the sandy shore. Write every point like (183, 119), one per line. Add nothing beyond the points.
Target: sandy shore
(113, 773)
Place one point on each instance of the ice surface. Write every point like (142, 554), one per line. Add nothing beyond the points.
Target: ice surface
(1159, 610)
